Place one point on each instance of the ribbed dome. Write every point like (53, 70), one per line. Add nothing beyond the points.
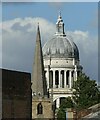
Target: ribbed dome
(60, 46)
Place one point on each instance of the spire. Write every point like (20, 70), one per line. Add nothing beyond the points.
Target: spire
(38, 78)
(60, 25)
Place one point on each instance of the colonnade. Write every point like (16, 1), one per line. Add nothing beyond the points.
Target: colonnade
(61, 78)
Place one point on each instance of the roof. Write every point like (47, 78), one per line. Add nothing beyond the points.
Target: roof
(60, 46)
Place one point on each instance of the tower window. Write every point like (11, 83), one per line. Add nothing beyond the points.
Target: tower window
(33, 94)
(66, 61)
(39, 93)
(39, 109)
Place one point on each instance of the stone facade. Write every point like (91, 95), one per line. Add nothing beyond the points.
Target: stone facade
(47, 109)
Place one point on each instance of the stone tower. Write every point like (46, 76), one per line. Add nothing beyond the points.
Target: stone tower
(41, 103)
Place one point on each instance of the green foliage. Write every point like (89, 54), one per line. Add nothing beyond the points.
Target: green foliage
(67, 103)
(61, 115)
(87, 93)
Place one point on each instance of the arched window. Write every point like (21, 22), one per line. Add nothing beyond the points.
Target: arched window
(67, 77)
(51, 79)
(39, 109)
(56, 78)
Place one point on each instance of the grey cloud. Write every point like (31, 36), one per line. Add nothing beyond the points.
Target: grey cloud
(18, 41)
(19, 37)
(18, 26)
(88, 49)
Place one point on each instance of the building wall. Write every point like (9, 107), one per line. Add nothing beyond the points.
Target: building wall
(16, 108)
(61, 61)
(16, 94)
(47, 108)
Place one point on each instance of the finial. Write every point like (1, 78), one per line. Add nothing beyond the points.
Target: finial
(38, 26)
(60, 25)
(38, 29)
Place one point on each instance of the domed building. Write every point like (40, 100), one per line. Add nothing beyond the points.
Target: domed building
(61, 64)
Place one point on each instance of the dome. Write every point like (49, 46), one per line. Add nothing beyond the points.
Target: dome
(60, 46)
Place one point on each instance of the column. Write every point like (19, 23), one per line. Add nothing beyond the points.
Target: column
(70, 79)
(59, 78)
(48, 77)
(53, 78)
(73, 61)
(58, 103)
(75, 73)
(74, 76)
(65, 78)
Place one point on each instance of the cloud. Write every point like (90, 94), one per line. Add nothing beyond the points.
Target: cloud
(88, 49)
(18, 38)
(19, 35)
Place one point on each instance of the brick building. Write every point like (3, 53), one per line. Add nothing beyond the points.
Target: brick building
(16, 94)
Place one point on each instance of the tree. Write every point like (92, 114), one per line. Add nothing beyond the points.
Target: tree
(86, 92)
(67, 103)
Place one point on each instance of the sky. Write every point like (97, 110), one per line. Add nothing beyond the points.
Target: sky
(19, 25)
